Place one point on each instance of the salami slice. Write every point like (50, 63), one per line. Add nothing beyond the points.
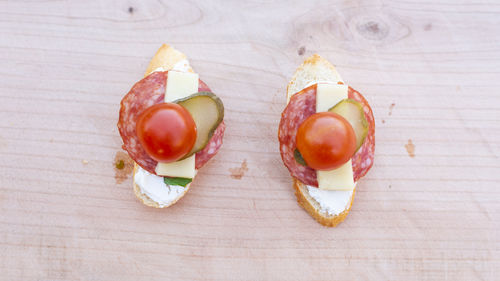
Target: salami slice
(211, 148)
(362, 161)
(301, 106)
(145, 93)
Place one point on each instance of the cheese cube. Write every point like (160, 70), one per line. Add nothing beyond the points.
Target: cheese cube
(179, 169)
(328, 95)
(180, 85)
(337, 179)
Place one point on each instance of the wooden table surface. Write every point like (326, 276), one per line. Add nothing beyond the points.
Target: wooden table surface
(428, 209)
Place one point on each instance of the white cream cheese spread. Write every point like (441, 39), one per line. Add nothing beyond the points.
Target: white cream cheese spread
(181, 66)
(155, 188)
(318, 82)
(331, 202)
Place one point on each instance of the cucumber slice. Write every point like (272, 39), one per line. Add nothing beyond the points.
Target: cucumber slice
(207, 111)
(353, 112)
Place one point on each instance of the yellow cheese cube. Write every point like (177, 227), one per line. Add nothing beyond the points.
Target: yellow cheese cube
(337, 179)
(180, 85)
(181, 169)
(328, 95)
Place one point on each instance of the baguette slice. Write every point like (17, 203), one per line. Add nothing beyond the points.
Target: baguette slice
(166, 57)
(312, 70)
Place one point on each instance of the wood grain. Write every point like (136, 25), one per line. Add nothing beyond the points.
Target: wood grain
(429, 69)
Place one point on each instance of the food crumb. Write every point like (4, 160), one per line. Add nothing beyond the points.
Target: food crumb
(123, 165)
(410, 148)
(85, 162)
(383, 121)
(238, 173)
(391, 108)
(120, 165)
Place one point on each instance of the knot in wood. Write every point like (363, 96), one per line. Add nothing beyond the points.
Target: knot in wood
(372, 29)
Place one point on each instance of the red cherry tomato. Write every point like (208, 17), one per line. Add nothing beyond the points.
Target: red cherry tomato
(326, 141)
(166, 131)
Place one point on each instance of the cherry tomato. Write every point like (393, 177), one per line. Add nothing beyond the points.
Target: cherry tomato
(326, 141)
(166, 131)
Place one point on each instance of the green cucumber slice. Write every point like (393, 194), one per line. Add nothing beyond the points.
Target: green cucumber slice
(207, 111)
(353, 112)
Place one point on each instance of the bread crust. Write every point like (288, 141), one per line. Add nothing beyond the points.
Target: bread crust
(313, 208)
(314, 68)
(165, 57)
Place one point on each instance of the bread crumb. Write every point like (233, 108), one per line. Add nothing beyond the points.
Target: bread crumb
(391, 108)
(410, 148)
(238, 173)
(85, 162)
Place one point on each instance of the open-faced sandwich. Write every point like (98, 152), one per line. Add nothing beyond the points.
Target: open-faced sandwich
(327, 140)
(171, 125)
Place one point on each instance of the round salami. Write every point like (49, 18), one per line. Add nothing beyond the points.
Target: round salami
(145, 93)
(301, 106)
(211, 148)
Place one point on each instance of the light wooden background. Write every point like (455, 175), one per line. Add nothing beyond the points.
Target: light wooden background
(431, 71)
